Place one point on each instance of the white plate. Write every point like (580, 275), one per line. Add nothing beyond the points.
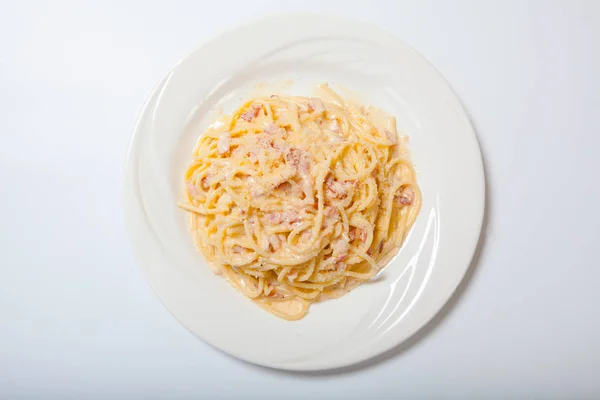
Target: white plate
(306, 50)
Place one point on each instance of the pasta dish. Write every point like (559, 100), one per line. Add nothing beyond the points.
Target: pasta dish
(296, 200)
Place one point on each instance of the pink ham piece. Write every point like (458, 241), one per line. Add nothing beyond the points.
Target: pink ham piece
(191, 189)
(251, 112)
(336, 188)
(301, 161)
(287, 217)
(341, 258)
(298, 159)
(358, 233)
(264, 142)
(405, 201)
(406, 197)
(332, 212)
(363, 235)
(268, 143)
(272, 129)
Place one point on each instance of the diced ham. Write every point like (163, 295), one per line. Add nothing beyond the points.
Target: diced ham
(288, 217)
(269, 144)
(406, 197)
(363, 235)
(265, 142)
(291, 216)
(316, 106)
(273, 129)
(223, 143)
(341, 258)
(336, 188)
(304, 167)
(405, 201)
(306, 235)
(192, 189)
(299, 159)
(391, 137)
(331, 212)
(352, 234)
(293, 156)
(251, 112)
(358, 233)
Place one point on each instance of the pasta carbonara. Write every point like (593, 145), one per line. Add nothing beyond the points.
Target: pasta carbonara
(295, 200)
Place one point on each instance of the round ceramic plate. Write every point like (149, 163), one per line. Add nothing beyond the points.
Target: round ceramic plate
(291, 54)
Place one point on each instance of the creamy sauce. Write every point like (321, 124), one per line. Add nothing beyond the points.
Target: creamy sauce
(300, 199)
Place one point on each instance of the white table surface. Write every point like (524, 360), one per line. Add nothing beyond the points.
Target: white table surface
(77, 318)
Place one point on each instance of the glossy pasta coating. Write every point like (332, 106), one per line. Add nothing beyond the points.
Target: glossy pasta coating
(296, 199)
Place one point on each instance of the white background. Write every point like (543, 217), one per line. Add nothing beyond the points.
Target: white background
(77, 319)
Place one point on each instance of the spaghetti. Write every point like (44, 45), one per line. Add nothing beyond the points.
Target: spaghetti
(295, 200)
